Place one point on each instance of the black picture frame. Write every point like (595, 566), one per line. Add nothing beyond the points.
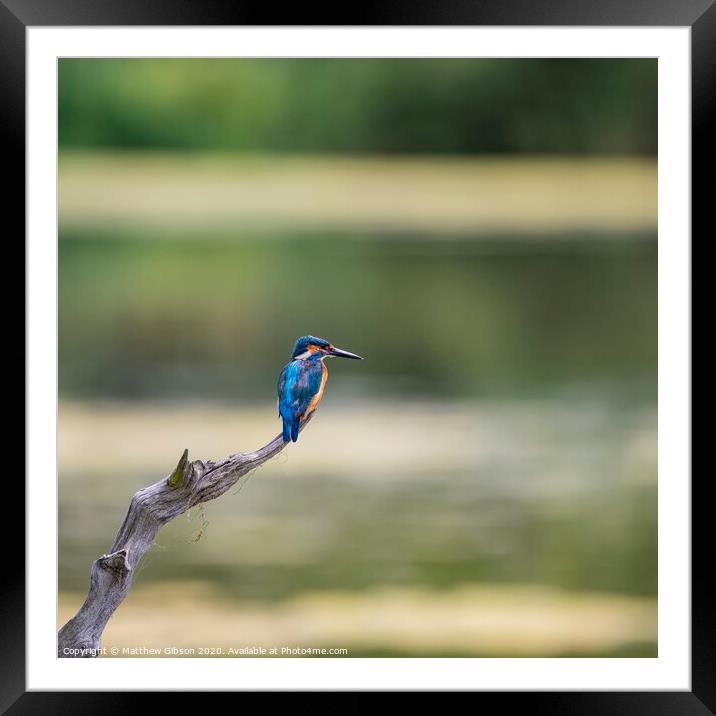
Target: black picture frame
(699, 15)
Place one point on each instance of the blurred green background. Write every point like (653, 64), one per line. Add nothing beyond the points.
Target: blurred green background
(483, 232)
(414, 106)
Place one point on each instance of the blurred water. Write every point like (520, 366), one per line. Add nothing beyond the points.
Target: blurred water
(501, 431)
(145, 316)
(548, 492)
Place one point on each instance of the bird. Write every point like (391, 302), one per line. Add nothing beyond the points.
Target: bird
(302, 380)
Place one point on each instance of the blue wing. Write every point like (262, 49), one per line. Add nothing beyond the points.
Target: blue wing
(298, 383)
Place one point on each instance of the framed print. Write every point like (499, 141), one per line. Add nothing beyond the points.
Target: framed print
(358, 356)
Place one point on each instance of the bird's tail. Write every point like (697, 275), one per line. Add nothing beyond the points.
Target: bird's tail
(290, 428)
(294, 428)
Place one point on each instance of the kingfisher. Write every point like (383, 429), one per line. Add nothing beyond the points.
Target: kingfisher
(301, 382)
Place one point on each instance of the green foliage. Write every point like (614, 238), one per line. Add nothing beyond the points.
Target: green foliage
(366, 105)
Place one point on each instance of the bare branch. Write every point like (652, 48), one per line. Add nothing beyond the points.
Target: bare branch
(189, 484)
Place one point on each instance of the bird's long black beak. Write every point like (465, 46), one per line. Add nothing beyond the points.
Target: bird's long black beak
(338, 353)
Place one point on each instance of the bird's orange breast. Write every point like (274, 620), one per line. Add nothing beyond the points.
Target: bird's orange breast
(317, 397)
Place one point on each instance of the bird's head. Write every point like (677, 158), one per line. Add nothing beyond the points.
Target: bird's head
(308, 346)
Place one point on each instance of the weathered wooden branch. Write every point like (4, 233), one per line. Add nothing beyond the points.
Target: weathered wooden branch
(189, 484)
